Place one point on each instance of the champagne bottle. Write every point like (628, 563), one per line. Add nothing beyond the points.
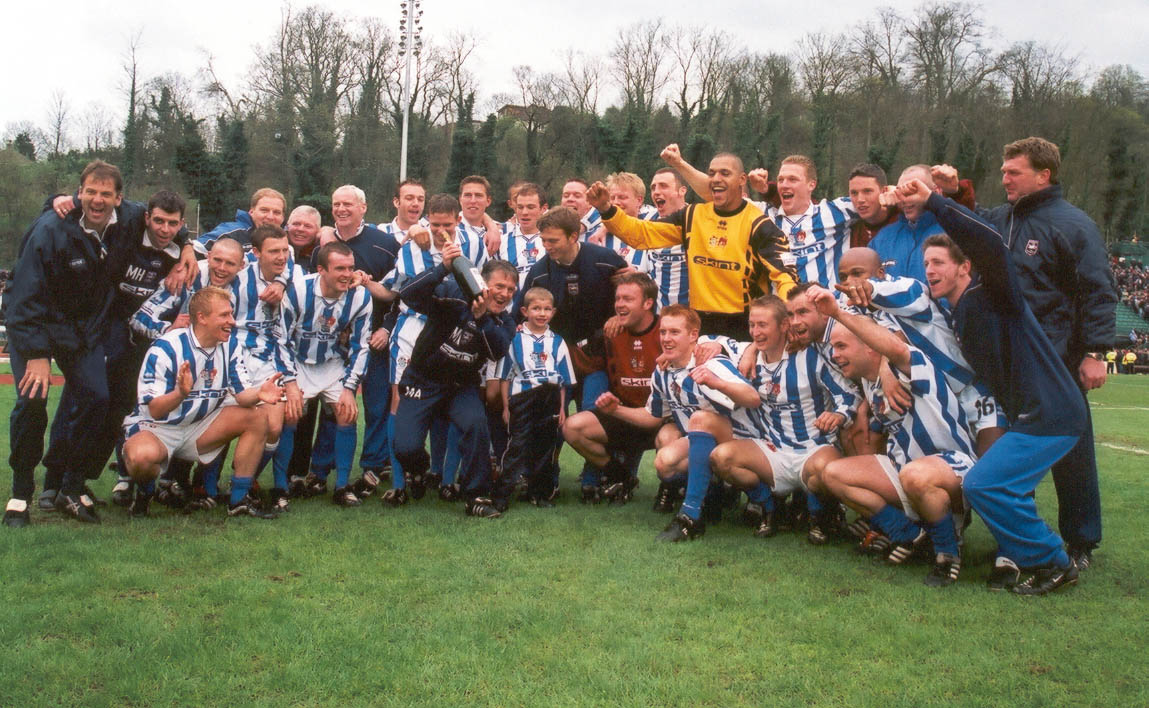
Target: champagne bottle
(469, 278)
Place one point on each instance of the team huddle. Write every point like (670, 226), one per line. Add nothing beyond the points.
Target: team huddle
(897, 352)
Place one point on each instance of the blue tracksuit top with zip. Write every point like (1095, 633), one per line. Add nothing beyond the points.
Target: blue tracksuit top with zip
(1001, 338)
(453, 346)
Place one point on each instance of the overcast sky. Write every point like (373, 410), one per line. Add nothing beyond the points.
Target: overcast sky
(83, 57)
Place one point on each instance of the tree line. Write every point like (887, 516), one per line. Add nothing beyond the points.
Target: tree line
(322, 106)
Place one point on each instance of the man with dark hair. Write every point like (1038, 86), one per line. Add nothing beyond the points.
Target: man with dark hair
(326, 327)
(1005, 345)
(865, 183)
(57, 310)
(408, 200)
(268, 207)
(459, 338)
(1065, 276)
(579, 276)
(479, 234)
(520, 246)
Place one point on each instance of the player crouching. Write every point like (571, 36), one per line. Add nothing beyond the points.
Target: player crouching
(805, 401)
(709, 403)
(909, 493)
(187, 375)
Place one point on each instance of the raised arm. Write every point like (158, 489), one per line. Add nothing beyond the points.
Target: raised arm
(636, 232)
(871, 333)
(695, 178)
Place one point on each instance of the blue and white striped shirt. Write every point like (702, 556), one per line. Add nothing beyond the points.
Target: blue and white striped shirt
(472, 241)
(675, 395)
(667, 267)
(521, 251)
(155, 316)
(818, 237)
(536, 359)
(795, 390)
(318, 329)
(215, 371)
(934, 424)
(258, 325)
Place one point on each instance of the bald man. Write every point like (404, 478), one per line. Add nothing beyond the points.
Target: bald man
(904, 306)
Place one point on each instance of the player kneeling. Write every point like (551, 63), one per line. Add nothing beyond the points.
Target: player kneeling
(805, 401)
(909, 493)
(187, 375)
(709, 403)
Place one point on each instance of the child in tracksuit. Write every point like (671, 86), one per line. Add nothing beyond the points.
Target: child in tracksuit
(535, 373)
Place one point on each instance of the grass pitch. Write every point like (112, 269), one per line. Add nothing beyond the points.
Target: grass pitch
(568, 606)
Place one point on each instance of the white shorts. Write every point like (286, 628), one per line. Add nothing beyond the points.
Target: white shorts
(981, 411)
(407, 329)
(179, 440)
(786, 466)
(490, 371)
(959, 462)
(257, 370)
(324, 380)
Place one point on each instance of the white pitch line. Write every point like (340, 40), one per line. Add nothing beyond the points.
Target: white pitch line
(1124, 448)
(1103, 407)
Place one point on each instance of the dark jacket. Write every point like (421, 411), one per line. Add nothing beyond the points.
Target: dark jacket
(1000, 337)
(453, 346)
(240, 230)
(1064, 272)
(62, 288)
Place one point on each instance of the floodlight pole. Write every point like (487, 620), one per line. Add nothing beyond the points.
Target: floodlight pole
(410, 43)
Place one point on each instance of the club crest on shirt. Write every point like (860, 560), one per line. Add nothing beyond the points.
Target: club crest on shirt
(532, 253)
(327, 324)
(539, 359)
(208, 374)
(1031, 247)
(717, 241)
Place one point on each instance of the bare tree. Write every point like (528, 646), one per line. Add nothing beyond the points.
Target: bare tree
(947, 51)
(579, 86)
(455, 54)
(1038, 74)
(133, 130)
(637, 63)
(878, 47)
(701, 59)
(96, 124)
(823, 64)
(59, 117)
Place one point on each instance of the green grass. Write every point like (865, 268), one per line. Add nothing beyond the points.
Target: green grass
(568, 606)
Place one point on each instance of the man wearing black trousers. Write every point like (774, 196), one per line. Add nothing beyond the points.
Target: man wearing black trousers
(460, 337)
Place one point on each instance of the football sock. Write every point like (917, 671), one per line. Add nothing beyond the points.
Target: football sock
(760, 494)
(452, 457)
(813, 504)
(439, 426)
(346, 437)
(591, 476)
(211, 476)
(281, 460)
(943, 536)
(697, 472)
(398, 481)
(240, 486)
(895, 524)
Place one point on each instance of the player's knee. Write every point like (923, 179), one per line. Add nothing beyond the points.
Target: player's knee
(140, 467)
(722, 459)
(832, 472)
(915, 480)
(704, 421)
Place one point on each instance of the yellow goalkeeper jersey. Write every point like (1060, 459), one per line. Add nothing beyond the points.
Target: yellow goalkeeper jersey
(731, 256)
